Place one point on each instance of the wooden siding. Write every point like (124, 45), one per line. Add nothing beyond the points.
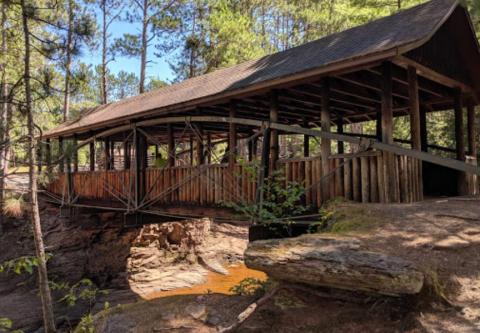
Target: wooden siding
(359, 179)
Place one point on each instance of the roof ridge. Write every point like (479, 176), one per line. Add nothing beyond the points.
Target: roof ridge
(289, 50)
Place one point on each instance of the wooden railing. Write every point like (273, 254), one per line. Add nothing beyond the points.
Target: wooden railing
(359, 178)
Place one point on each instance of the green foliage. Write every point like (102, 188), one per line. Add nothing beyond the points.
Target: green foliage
(84, 290)
(86, 324)
(251, 287)
(6, 326)
(282, 199)
(21, 265)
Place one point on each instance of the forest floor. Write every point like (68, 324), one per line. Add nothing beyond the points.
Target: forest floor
(442, 236)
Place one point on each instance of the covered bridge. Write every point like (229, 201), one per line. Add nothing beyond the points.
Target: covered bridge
(421, 60)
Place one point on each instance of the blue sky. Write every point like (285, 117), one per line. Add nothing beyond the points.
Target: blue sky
(157, 68)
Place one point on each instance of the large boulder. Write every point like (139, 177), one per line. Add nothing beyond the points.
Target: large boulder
(336, 262)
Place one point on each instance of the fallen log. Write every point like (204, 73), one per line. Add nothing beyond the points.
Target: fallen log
(336, 262)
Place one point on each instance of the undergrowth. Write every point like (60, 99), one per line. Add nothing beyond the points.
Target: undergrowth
(338, 217)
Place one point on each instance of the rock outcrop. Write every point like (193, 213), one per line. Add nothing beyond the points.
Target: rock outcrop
(336, 262)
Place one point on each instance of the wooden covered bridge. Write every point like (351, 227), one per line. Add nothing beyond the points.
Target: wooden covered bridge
(421, 60)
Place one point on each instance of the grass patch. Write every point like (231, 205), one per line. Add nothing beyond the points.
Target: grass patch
(342, 217)
(14, 207)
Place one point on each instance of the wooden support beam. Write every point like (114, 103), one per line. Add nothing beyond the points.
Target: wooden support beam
(306, 141)
(340, 144)
(39, 156)
(75, 155)
(107, 151)
(415, 134)
(459, 132)
(378, 124)
(112, 154)
(92, 155)
(423, 129)
(460, 139)
(252, 149)
(191, 150)
(274, 148)
(264, 166)
(140, 143)
(414, 108)
(200, 147)
(126, 155)
(170, 146)
(61, 151)
(48, 153)
(471, 130)
(325, 145)
(209, 148)
(232, 137)
(387, 133)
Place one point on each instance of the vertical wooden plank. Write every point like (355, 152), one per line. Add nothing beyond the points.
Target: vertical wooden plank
(365, 179)
(348, 180)
(381, 178)
(459, 139)
(357, 196)
(373, 179)
(387, 133)
(325, 144)
(274, 147)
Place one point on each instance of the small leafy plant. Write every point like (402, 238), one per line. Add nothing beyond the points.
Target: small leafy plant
(250, 287)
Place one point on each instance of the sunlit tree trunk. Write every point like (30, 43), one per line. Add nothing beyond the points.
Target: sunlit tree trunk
(143, 56)
(46, 298)
(104, 53)
(3, 116)
(68, 61)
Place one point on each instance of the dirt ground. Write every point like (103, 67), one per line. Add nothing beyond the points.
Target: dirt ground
(441, 236)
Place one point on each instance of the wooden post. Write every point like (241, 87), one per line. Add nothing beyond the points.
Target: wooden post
(232, 138)
(75, 155)
(251, 148)
(306, 141)
(340, 144)
(61, 151)
(209, 148)
(459, 138)
(264, 167)
(414, 108)
(472, 133)
(325, 144)
(112, 155)
(200, 147)
(171, 146)
(106, 150)
(92, 155)
(48, 153)
(126, 155)
(39, 157)
(191, 150)
(379, 125)
(423, 130)
(274, 149)
(387, 133)
(415, 131)
(140, 143)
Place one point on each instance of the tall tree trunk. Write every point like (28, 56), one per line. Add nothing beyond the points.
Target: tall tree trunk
(143, 61)
(104, 53)
(68, 62)
(46, 298)
(3, 116)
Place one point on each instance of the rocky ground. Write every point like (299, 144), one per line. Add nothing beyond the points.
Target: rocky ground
(130, 263)
(441, 237)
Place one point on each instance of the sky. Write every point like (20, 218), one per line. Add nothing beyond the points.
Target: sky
(157, 68)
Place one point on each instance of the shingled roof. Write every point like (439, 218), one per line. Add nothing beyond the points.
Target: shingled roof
(382, 38)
